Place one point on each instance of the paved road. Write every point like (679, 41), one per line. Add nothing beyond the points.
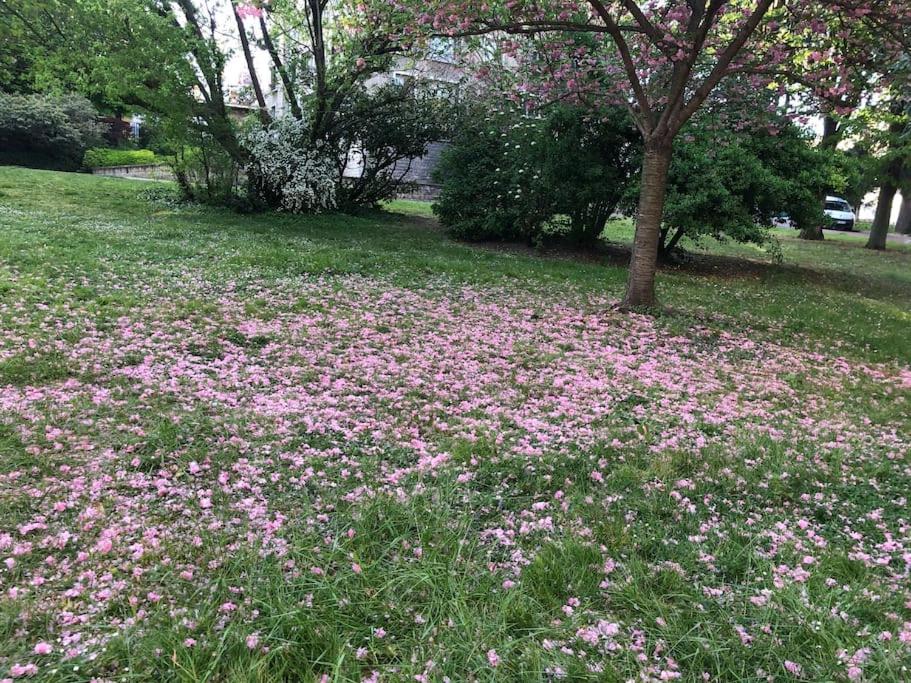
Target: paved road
(897, 239)
(892, 237)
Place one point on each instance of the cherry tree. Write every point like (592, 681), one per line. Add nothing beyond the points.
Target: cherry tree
(664, 59)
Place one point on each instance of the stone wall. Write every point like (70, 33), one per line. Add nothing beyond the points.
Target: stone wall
(145, 171)
(423, 193)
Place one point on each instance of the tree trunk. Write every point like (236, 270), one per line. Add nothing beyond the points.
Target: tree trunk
(320, 71)
(903, 227)
(290, 91)
(883, 217)
(811, 232)
(640, 287)
(251, 66)
(587, 223)
(831, 133)
(831, 136)
(669, 246)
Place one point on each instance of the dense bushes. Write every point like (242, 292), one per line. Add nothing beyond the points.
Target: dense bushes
(41, 131)
(512, 176)
(102, 157)
(728, 185)
(356, 157)
(380, 131)
(288, 171)
(477, 170)
(206, 173)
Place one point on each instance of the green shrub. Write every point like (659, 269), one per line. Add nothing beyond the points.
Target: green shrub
(508, 175)
(729, 184)
(41, 131)
(385, 129)
(475, 201)
(206, 173)
(102, 157)
(587, 161)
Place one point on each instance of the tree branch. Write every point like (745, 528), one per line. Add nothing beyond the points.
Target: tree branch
(721, 65)
(280, 68)
(251, 66)
(646, 114)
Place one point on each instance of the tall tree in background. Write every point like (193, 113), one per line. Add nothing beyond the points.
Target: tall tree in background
(663, 60)
(848, 68)
(894, 166)
(168, 58)
(903, 226)
(160, 57)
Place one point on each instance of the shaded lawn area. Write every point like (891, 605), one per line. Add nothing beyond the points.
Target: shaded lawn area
(831, 292)
(274, 448)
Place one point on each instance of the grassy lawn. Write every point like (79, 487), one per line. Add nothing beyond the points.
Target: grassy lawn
(268, 448)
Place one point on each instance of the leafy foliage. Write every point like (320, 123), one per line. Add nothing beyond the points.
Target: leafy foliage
(46, 132)
(729, 184)
(206, 173)
(854, 173)
(167, 59)
(476, 201)
(508, 174)
(382, 130)
(289, 171)
(587, 162)
(101, 157)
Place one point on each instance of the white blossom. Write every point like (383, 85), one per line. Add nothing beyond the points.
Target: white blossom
(303, 175)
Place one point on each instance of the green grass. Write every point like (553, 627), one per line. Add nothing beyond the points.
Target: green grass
(822, 294)
(104, 282)
(410, 207)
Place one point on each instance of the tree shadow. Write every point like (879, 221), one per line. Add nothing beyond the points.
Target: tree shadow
(719, 266)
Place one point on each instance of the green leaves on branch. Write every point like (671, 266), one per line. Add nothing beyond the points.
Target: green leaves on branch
(42, 131)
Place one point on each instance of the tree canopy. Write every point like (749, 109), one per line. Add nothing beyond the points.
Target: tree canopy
(665, 60)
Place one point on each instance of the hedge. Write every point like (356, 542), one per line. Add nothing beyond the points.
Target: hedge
(102, 157)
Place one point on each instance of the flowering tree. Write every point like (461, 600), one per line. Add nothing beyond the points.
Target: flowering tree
(664, 59)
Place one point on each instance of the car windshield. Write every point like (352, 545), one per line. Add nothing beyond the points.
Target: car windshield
(837, 206)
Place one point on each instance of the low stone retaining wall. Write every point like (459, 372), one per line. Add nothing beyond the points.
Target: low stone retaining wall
(145, 171)
(423, 193)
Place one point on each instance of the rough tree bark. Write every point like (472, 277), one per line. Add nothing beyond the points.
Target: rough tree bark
(892, 174)
(903, 227)
(640, 287)
(883, 217)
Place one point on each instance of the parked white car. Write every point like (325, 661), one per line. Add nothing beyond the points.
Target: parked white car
(839, 214)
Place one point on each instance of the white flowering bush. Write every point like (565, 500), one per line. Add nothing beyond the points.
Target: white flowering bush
(287, 170)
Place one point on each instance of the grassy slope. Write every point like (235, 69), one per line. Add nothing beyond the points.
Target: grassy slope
(867, 295)
(100, 254)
